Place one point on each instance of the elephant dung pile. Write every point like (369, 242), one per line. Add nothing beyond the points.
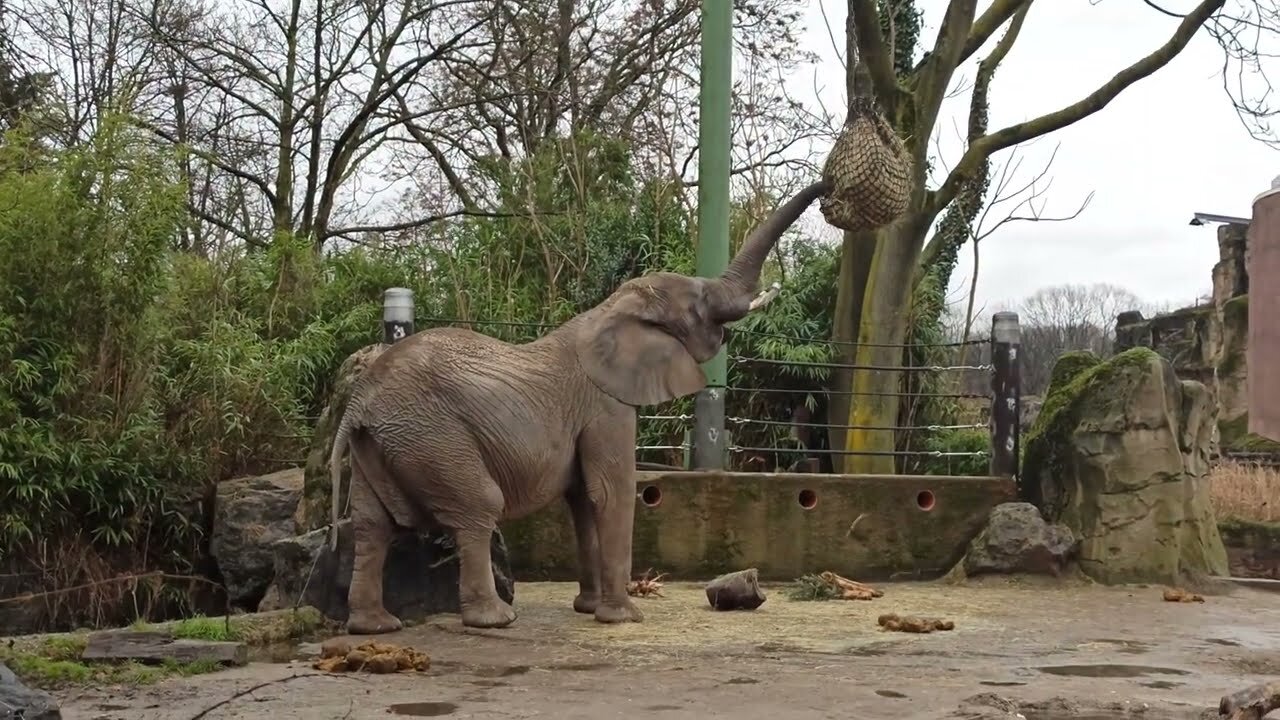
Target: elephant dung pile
(912, 624)
(373, 657)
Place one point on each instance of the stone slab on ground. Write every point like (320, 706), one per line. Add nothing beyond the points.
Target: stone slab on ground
(153, 646)
(420, 577)
(19, 701)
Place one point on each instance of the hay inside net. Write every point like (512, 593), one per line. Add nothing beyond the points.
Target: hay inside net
(868, 170)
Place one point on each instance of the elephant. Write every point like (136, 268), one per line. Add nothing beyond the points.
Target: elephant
(455, 430)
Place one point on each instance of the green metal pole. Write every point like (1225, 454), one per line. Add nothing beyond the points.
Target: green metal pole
(716, 78)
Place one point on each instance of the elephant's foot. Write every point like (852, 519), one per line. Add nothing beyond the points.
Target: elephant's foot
(488, 614)
(618, 612)
(372, 622)
(586, 603)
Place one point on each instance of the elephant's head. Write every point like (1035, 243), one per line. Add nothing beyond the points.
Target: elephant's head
(644, 343)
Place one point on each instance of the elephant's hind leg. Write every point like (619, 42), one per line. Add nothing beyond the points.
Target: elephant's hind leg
(584, 526)
(372, 528)
(464, 498)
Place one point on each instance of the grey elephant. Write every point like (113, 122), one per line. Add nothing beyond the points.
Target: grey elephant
(452, 429)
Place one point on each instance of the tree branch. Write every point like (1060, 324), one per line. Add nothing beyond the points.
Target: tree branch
(985, 146)
(872, 49)
(940, 64)
(997, 14)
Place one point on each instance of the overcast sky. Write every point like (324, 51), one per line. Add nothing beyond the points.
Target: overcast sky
(1169, 146)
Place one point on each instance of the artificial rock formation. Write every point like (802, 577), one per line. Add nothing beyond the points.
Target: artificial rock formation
(1119, 455)
(1018, 540)
(1207, 343)
(249, 515)
(313, 510)
(421, 576)
(19, 701)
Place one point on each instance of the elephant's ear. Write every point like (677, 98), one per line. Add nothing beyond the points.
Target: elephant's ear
(629, 354)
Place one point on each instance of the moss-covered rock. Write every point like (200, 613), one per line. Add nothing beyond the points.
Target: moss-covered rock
(1253, 548)
(1119, 455)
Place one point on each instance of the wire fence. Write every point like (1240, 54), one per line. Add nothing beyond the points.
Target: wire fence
(779, 403)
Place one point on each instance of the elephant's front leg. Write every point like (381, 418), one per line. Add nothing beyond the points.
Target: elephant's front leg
(584, 527)
(607, 455)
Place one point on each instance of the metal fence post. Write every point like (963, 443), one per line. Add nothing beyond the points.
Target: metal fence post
(1006, 395)
(397, 314)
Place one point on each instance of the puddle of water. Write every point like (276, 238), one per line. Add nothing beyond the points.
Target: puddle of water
(1222, 641)
(890, 694)
(582, 666)
(1054, 715)
(741, 681)
(1001, 683)
(282, 652)
(423, 709)
(1108, 671)
(491, 671)
(1162, 684)
(1128, 647)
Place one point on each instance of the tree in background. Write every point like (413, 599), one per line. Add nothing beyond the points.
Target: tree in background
(881, 269)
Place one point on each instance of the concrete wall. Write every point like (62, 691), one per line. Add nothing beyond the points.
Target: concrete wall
(1264, 307)
(695, 525)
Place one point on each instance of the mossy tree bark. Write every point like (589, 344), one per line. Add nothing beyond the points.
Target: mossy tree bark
(879, 269)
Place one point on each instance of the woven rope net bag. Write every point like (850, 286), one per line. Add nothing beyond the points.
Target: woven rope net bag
(868, 170)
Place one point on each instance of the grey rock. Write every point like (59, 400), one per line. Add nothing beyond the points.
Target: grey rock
(250, 515)
(19, 701)
(420, 577)
(1121, 458)
(1018, 540)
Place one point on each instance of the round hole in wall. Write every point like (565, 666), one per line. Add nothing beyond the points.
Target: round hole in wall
(807, 499)
(925, 500)
(651, 495)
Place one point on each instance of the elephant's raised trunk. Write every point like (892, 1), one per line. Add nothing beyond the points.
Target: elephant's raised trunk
(740, 280)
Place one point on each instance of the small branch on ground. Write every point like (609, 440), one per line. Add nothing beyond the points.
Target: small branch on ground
(247, 691)
(830, 586)
(646, 586)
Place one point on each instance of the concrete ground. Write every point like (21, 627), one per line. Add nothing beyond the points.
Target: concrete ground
(1048, 652)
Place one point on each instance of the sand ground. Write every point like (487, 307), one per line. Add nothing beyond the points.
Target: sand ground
(1065, 652)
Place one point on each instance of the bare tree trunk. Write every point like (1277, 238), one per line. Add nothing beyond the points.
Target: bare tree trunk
(881, 330)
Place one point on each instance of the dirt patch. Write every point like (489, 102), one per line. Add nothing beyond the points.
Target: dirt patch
(1159, 660)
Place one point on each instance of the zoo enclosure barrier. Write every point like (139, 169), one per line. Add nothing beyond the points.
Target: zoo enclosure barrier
(752, 427)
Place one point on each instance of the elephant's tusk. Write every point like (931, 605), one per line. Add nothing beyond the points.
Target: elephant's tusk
(765, 297)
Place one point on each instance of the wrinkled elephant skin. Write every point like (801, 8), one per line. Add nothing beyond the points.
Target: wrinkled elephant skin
(459, 430)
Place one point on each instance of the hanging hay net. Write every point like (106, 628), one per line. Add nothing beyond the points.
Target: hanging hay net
(868, 171)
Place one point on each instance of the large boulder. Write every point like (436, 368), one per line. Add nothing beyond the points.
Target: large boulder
(19, 701)
(1018, 540)
(250, 514)
(420, 577)
(1120, 454)
(313, 510)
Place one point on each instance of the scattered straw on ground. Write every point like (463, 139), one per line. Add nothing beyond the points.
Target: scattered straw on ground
(683, 622)
(338, 655)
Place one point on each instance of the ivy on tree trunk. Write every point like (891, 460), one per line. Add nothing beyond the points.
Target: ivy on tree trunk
(879, 269)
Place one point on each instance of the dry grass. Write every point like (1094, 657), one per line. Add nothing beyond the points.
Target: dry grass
(682, 624)
(1245, 491)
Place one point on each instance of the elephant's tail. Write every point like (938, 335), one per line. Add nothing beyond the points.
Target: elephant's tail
(335, 475)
